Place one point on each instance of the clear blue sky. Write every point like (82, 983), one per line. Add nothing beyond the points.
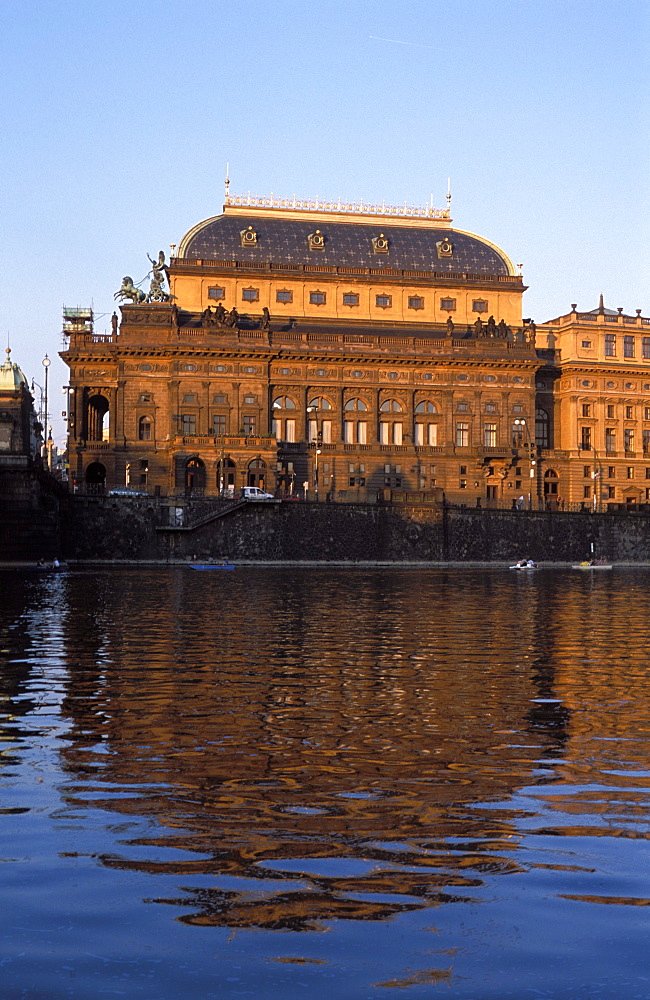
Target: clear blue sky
(119, 119)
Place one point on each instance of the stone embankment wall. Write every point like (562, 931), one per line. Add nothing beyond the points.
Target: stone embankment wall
(110, 528)
(30, 501)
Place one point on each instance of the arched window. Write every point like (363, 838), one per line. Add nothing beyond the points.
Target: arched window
(391, 406)
(284, 403)
(550, 483)
(320, 403)
(356, 404)
(144, 429)
(425, 432)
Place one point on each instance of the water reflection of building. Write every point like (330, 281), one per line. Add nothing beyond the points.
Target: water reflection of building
(266, 726)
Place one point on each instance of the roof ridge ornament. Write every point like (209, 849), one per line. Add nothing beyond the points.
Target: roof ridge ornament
(338, 207)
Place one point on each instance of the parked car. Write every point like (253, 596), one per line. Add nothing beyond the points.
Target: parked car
(254, 493)
(126, 491)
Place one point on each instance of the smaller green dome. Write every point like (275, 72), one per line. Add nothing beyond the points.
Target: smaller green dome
(11, 375)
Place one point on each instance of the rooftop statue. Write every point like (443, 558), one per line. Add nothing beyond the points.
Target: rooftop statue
(129, 291)
(159, 274)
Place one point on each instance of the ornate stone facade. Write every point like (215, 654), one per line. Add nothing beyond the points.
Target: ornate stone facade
(341, 354)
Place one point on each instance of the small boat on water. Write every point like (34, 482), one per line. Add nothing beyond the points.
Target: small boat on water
(592, 565)
(525, 564)
(217, 565)
(45, 567)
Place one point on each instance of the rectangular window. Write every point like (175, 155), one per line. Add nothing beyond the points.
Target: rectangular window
(362, 432)
(586, 491)
(218, 424)
(646, 441)
(326, 431)
(490, 407)
(629, 413)
(647, 472)
(397, 433)
(449, 305)
(463, 484)
(317, 298)
(610, 411)
(610, 439)
(610, 345)
(250, 294)
(630, 472)
(383, 301)
(216, 292)
(290, 429)
(586, 472)
(350, 299)
(480, 306)
(433, 435)
(384, 432)
(248, 424)
(277, 428)
(586, 410)
(628, 347)
(188, 423)
(611, 492)
(416, 302)
(462, 435)
(586, 343)
(628, 439)
(348, 431)
(646, 412)
(283, 295)
(611, 472)
(645, 347)
(585, 439)
(490, 435)
(462, 407)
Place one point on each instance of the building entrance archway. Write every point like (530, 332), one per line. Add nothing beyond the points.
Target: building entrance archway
(95, 478)
(226, 476)
(194, 474)
(257, 473)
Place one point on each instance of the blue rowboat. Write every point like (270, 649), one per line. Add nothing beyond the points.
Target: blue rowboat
(224, 565)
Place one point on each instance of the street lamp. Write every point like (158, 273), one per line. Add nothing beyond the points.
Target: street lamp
(521, 423)
(46, 364)
(317, 441)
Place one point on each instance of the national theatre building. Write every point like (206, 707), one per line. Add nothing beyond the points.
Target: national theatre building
(355, 352)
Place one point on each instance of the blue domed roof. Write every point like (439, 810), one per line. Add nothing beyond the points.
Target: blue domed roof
(285, 241)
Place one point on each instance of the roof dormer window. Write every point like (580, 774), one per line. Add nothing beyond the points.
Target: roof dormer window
(380, 244)
(316, 240)
(248, 237)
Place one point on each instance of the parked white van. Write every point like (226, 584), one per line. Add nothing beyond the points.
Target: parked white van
(254, 493)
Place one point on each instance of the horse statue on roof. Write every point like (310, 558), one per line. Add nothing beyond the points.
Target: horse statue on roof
(129, 291)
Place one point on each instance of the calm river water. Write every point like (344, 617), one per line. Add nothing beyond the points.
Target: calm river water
(283, 783)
